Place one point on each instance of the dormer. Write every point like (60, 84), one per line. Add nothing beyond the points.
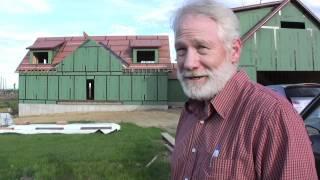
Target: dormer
(43, 51)
(145, 51)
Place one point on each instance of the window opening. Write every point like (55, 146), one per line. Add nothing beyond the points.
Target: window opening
(146, 56)
(90, 89)
(293, 25)
(40, 57)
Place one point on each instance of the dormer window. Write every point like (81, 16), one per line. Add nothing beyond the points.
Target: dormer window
(43, 50)
(41, 57)
(145, 56)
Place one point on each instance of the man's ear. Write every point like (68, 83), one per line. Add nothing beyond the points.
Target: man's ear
(236, 50)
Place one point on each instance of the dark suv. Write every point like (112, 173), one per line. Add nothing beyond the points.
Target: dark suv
(300, 95)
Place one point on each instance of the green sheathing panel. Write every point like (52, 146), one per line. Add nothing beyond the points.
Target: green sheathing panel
(138, 88)
(291, 13)
(175, 92)
(31, 87)
(133, 88)
(250, 18)
(288, 43)
(66, 87)
(248, 54)
(251, 71)
(80, 84)
(316, 50)
(125, 88)
(67, 64)
(90, 57)
(304, 60)
(162, 88)
(151, 88)
(53, 84)
(42, 88)
(100, 88)
(86, 59)
(266, 42)
(22, 87)
(113, 85)
(115, 64)
(103, 59)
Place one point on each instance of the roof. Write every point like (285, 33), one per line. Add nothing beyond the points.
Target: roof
(121, 46)
(277, 6)
(44, 45)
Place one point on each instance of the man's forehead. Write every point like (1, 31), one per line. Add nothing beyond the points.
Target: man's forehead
(192, 40)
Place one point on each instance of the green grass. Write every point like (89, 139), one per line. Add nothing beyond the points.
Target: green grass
(120, 155)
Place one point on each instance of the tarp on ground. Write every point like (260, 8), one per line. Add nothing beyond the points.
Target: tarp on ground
(77, 128)
(5, 119)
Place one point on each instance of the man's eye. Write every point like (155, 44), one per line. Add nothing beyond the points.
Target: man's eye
(181, 51)
(202, 49)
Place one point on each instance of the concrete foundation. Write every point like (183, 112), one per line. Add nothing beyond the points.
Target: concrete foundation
(41, 109)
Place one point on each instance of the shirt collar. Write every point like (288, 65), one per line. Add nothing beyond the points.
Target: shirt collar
(224, 101)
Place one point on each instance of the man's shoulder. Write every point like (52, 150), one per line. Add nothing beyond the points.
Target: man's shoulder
(260, 95)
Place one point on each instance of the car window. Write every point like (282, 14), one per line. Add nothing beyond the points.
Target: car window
(302, 91)
(300, 97)
(299, 103)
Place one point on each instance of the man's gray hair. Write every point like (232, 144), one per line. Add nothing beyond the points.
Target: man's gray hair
(227, 21)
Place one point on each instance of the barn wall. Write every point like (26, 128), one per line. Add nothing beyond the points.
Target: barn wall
(273, 48)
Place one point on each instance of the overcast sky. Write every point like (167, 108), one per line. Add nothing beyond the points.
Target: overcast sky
(22, 21)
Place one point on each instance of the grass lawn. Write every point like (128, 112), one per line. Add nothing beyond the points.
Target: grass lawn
(120, 155)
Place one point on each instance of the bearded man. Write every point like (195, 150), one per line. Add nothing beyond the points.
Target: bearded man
(231, 127)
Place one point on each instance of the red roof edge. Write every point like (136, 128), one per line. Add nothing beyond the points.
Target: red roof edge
(46, 46)
(122, 60)
(256, 6)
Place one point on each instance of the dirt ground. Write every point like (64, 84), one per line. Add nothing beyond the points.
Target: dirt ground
(166, 119)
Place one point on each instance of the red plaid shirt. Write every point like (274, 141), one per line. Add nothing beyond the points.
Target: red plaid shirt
(245, 132)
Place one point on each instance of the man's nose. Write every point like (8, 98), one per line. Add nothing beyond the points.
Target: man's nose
(191, 61)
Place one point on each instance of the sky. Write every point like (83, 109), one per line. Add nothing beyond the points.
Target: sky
(22, 21)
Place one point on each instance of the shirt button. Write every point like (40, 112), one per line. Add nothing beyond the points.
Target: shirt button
(201, 122)
(193, 150)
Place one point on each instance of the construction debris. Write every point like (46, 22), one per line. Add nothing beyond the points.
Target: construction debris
(152, 160)
(169, 141)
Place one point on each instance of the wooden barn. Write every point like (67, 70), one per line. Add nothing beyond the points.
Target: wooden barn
(281, 42)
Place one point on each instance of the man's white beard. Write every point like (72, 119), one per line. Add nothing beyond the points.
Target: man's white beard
(216, 80)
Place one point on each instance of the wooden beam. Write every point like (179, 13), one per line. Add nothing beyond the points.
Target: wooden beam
(168, 138)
